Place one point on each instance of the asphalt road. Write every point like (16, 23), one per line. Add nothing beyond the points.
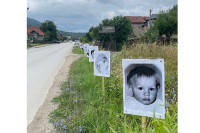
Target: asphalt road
(43, 64)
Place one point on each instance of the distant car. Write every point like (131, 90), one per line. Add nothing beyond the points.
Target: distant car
(57, 41)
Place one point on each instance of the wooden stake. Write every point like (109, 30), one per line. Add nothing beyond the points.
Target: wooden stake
(102, 83)
(143, 123)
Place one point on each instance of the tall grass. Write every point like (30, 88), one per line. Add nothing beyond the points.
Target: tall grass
(83, 107)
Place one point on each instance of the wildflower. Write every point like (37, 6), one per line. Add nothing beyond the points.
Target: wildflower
(62, 120)
(80, 128)
(173, 77)
(166, 109)
(176, 82)
(65, 131)
(169, 99)
(74, 128)
(166, 104)
(54, 123)
(54, 131)
(174, 95)
(61, 123)
(173, 91)
(77, 111)
(65, 126)
(75, 101)
(70, 117)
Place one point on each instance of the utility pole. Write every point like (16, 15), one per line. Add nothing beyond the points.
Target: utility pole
(150, 17)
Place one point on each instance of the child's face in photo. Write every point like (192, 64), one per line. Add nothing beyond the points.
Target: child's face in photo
(144, 89)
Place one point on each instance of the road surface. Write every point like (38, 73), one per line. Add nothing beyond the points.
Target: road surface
(42, 66)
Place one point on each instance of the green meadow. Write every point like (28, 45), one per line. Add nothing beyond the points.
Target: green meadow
(84, 107)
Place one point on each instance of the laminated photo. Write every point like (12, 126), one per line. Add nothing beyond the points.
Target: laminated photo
(91, 53)
(88, 49)
(144, 87)
(102, 63)
(85, 47)
(81, 45)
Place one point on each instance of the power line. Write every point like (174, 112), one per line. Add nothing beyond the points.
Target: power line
(155, 4)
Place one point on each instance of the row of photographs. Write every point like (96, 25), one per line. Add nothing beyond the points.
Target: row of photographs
(143, 81)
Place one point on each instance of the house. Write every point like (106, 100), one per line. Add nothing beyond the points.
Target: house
(139, 24)
(59, 36)
(35, 32)
(151, 19)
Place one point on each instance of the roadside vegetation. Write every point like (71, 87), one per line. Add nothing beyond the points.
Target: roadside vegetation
(77, 50)
(83, 107)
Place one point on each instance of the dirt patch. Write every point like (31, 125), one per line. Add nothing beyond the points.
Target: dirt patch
(40, 123)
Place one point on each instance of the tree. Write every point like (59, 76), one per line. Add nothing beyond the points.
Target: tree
(166, 22)
(49, 29)
(123, 30)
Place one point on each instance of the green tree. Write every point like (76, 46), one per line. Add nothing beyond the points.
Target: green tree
(166, 22)
(123, 30)
(49, 29)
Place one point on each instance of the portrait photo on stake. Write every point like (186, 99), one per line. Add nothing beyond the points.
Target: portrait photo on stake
(143, 87)
(102, 63)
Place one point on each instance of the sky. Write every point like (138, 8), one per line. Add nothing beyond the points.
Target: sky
(80, 15)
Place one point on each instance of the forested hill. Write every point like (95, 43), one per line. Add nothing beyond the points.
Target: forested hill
(34, 22)
(72, 34)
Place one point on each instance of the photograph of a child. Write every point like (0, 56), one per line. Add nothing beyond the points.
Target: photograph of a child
(85, 48)
(88, 49)
(91, 53)
(144, 87)
(102, 63)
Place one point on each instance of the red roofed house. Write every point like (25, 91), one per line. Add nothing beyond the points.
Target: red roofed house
(59, 36)
(35, 32)
(139, 25)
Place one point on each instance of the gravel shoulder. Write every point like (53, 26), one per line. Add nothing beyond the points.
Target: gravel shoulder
(40, 123)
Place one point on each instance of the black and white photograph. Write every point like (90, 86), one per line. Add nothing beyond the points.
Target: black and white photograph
(102, 63)
(81, 45)
(91, 53)
(143, 87)
(88, 50)
(85, 47)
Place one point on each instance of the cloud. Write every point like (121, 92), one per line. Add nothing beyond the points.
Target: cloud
(75, 15)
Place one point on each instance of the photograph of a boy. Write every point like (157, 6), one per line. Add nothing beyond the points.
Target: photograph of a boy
(91, 53)
(85, 48)
(143, 87)
(144, 83)
(102, 63)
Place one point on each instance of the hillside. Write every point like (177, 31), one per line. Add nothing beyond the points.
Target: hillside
(73, 34)
(32, 22)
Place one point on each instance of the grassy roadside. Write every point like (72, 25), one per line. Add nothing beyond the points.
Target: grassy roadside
(77, 50)
(84, 108)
